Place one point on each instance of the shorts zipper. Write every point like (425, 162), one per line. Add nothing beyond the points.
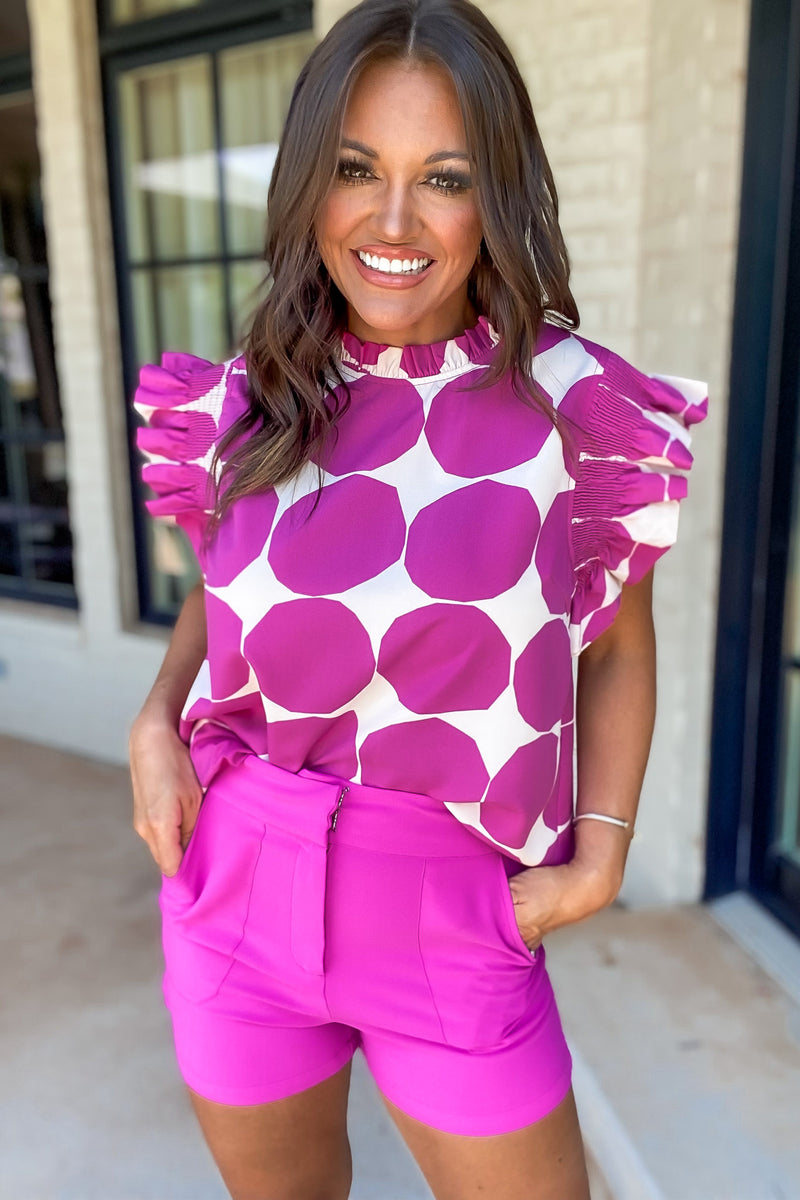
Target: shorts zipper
(335, 816)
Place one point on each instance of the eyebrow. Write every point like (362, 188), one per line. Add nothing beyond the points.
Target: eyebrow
(437, 156)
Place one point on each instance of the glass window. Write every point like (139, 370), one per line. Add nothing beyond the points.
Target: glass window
(256, 85)
(138, 10)
(35, 542)
(198, 135)
(170, 166)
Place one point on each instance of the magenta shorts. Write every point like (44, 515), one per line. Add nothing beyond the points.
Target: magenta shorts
(310, 917)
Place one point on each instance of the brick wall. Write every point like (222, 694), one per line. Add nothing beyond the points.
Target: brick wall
(688, 250)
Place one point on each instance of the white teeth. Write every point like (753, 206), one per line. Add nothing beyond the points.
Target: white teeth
(393, 266)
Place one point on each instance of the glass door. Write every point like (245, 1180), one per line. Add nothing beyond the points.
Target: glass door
(775, 860)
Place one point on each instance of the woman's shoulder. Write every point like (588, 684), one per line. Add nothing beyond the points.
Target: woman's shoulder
(186, 404)
(589, 383)
(194, 400)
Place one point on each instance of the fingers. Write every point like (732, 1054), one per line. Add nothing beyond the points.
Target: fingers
(168, 853)
(166, 797)
(163, 841)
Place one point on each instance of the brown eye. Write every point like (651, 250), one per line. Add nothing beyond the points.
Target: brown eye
(352, 171)
(450, 185)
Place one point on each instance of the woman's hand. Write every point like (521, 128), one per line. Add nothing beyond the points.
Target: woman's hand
(166, 791)
(545, 898)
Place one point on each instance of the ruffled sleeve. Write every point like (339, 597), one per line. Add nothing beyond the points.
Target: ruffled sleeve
(632, 473)
(182, 401)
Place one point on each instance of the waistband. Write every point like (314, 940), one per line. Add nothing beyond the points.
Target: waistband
(323, 809)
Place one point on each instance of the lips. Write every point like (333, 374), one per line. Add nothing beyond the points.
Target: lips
(392, 270)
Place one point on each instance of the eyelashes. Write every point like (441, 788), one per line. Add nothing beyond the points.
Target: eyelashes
(353, 171)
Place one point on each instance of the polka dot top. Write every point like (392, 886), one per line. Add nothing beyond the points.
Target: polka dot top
(415, 629)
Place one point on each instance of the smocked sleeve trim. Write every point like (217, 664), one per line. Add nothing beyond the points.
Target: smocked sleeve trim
(632, 474)
(181, 401)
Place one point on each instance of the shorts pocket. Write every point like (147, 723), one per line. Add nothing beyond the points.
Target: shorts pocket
(478, 968)
(507, 902)
(206, 904)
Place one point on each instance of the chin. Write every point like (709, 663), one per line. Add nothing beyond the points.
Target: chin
(389, 322)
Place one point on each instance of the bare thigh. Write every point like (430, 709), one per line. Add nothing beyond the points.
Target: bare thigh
(293, 1149)
(544, 1161)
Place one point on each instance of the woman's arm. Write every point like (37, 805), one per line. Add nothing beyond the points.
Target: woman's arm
(166, 791)
(615, 712)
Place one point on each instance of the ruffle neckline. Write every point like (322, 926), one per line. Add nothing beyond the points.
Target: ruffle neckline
(475, 346)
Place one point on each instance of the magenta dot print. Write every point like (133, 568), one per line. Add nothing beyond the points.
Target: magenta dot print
(543, 676)
(559, 807)
(576, 405)
(425, 756)
(520, 790)
(388, 424)
(481, 433)
(550, 336)
(445, 657)
(307, 552)
(229, 670)
(553, 555)
(325, 743)
(474, 543)
(240, 537)
(310, 656)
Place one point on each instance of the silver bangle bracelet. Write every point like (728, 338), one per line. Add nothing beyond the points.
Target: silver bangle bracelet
(602, 817)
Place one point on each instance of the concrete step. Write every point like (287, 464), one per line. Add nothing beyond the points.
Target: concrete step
(687, 1056)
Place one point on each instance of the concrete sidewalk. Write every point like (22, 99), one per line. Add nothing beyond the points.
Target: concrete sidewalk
(687, 1059)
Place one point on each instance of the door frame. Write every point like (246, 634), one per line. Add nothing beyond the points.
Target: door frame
(762, 415)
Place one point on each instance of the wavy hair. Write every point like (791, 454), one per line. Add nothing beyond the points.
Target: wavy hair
(521, 275)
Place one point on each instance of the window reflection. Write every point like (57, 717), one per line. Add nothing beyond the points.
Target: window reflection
(35, 542)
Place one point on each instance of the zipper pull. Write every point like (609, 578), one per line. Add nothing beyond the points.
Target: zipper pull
(335, 816)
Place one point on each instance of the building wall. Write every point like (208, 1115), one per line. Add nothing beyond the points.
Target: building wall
(689, 236)
(640, 107)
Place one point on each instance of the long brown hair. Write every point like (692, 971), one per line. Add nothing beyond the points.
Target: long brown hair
(521, 274)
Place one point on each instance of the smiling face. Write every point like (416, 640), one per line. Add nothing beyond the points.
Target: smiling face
(399, 231)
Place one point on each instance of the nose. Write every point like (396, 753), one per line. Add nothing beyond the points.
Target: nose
(396, 217)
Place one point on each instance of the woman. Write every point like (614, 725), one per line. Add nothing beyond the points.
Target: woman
(414, 498)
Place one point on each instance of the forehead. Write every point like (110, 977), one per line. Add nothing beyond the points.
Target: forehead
(393, 103)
